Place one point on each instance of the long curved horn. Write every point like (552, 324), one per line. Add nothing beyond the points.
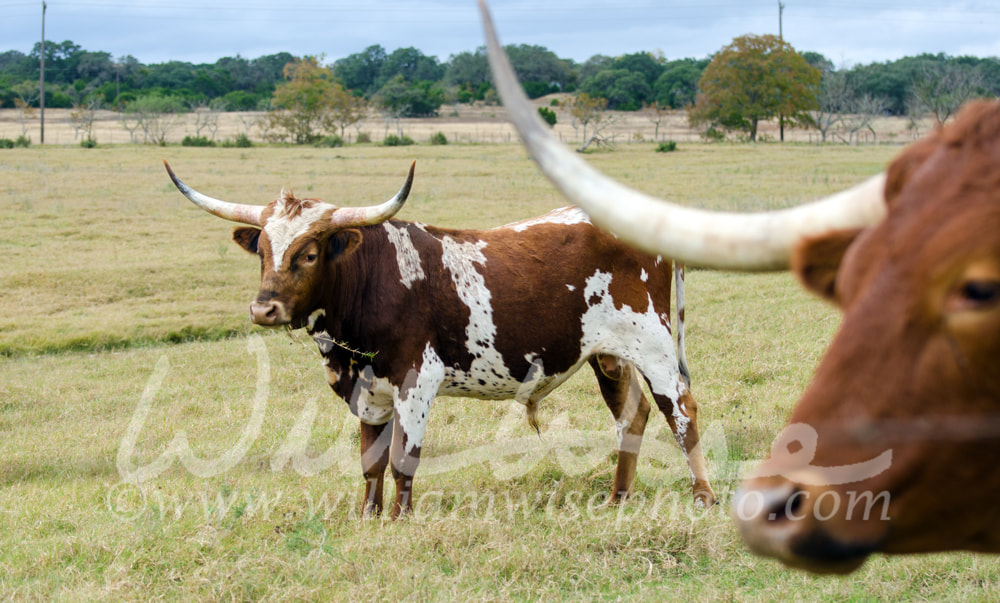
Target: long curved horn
(349, 217)
(247, 214)
(750, 241)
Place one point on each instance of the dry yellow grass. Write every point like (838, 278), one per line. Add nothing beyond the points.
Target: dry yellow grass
(106, 265)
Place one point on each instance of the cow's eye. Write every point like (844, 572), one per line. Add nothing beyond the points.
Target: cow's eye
(980, 294)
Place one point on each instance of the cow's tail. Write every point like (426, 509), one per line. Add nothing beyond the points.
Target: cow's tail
(681, 356)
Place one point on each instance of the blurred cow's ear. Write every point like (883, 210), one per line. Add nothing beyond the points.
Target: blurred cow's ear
(343, 244)
(816, 261)
(247, 238)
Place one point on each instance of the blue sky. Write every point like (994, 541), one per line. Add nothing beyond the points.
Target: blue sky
(847, 32)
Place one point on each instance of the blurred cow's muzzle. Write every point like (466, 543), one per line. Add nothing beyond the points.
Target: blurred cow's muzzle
(805, 525)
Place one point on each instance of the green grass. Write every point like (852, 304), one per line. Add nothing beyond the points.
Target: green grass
(109, 274)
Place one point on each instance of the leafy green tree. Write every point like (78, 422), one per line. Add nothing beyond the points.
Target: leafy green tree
(752, 79)
(16, 65)
(361, 70)
(548, 115)
(884, 80)
(624, 90)
(539, 69)
(641, 63)
(593, 66)
(818, 61)
(412, 64)
(304, 100)
(402, 99)
(468, 68)
(677, 86)
(467, 74)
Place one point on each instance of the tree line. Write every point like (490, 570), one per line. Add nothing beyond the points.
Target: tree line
(408, 83)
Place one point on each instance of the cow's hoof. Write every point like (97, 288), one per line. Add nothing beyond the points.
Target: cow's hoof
(703, 499)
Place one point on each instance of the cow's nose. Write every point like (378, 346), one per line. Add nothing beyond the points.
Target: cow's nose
(798, 522)
(268, 313)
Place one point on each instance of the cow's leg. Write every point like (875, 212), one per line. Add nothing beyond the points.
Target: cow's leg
(412, 404)
(405, 454)
(375, 441)
(682, 416)
(623, 395)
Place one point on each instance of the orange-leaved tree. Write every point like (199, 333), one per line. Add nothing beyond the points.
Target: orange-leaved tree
(753, 79)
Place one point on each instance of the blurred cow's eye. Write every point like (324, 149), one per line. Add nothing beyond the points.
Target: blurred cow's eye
(981, 294)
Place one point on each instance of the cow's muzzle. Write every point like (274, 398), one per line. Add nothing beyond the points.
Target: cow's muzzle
(269, 313)
(799, 525)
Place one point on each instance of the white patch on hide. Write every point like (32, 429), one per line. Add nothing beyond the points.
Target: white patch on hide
(283, 231)
(488, 377)
(641, 338)
(413, 406)
(316, 315)
(372, 400)
(407, 257)
(563, 215)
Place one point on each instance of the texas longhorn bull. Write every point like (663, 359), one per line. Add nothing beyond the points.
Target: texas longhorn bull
(901, 423)
(508, 313)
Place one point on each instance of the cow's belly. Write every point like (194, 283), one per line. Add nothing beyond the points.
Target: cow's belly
(496, 383)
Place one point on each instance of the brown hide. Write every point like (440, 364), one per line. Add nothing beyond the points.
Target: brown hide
(905, 404)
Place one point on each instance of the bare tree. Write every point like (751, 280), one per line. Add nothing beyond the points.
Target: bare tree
(201, 116)
(154, 115)
(835, 98)
(861, 113)
(588, 111)
(216, 106)
(941, 88)
(82, 117)
(393, 114)
(25, 95)
(656, 113)
(247, 122)
(131, 122)
(345, 110)
(604, 122)
(206, 116)
(263, 121)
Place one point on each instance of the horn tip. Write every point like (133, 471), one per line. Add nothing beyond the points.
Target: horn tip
(173, 177)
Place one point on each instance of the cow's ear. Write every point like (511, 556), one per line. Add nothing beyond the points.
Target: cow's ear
(816, 261)
(247, 238)
(343, 244)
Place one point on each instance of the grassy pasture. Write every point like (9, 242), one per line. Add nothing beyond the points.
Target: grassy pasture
(124, 323)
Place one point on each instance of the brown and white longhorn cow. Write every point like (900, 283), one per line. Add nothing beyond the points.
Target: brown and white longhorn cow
(508, 313)
(893, 447)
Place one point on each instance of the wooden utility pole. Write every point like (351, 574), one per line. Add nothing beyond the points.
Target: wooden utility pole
(41, 83)
(781, 9)
(781, 36)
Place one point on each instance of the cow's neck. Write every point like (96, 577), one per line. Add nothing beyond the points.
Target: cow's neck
(344, 303)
